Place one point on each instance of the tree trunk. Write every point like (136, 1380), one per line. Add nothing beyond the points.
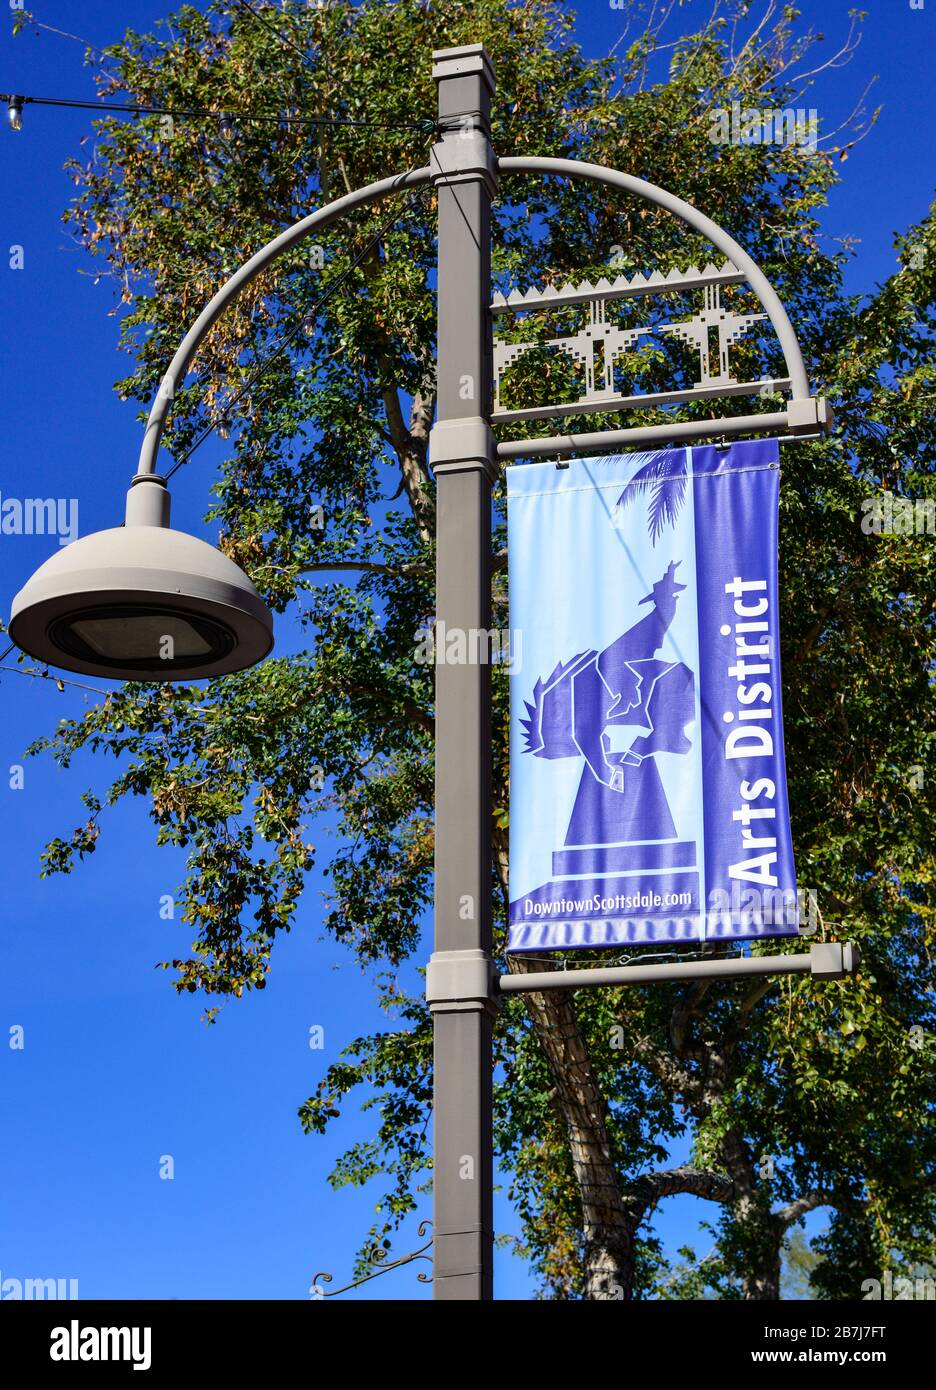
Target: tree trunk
(757, 1231)
(607, 1224)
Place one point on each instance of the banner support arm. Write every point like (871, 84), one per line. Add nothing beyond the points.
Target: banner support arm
(828, 960)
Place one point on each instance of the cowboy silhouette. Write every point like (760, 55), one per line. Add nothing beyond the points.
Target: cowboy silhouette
(618, 708)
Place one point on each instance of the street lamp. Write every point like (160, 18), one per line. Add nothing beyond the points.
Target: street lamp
(144, 602)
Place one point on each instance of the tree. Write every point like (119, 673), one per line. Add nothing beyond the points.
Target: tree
(795, 1095)
(800, 1262)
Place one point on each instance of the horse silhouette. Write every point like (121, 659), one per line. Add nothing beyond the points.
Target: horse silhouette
(617, 708)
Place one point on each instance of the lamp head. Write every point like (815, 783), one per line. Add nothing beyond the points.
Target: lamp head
(142, 602)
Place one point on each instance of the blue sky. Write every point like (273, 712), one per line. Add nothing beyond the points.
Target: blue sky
(117, 1071)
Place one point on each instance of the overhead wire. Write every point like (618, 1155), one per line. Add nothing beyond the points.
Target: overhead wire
(142, 109)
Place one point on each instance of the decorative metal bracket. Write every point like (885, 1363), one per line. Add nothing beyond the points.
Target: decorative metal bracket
(802, 415)
(377, 1257)
(598, 345)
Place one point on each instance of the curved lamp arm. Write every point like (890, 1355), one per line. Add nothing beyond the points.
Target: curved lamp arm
(415, 178)
(758, 281)
(229, 291)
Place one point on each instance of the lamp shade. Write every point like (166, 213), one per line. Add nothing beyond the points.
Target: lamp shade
(142, 602)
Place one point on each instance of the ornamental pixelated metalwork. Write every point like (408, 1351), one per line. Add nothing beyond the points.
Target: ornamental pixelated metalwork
(597, 347)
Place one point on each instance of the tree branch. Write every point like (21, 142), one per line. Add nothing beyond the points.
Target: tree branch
(646, 1191)
(742, 1019)
(683, 1013)
(817, 1197)
(369, 567)
(406, 707)
(668, 1071)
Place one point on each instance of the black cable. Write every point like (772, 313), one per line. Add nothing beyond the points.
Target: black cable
(285, 342)
(138, 110)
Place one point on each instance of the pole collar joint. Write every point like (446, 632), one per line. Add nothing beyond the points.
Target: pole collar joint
(809, 416)
(464, 154)
(831, 960)
(461, 981)
(464, 445)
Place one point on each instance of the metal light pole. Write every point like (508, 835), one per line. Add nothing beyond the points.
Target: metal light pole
(460, 985)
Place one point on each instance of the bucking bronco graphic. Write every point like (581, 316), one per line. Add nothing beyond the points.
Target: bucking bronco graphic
(617, 709)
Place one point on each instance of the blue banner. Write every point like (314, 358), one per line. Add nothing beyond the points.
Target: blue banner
(648, 797)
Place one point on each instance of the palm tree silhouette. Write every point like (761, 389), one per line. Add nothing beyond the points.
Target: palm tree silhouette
(666, 476)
